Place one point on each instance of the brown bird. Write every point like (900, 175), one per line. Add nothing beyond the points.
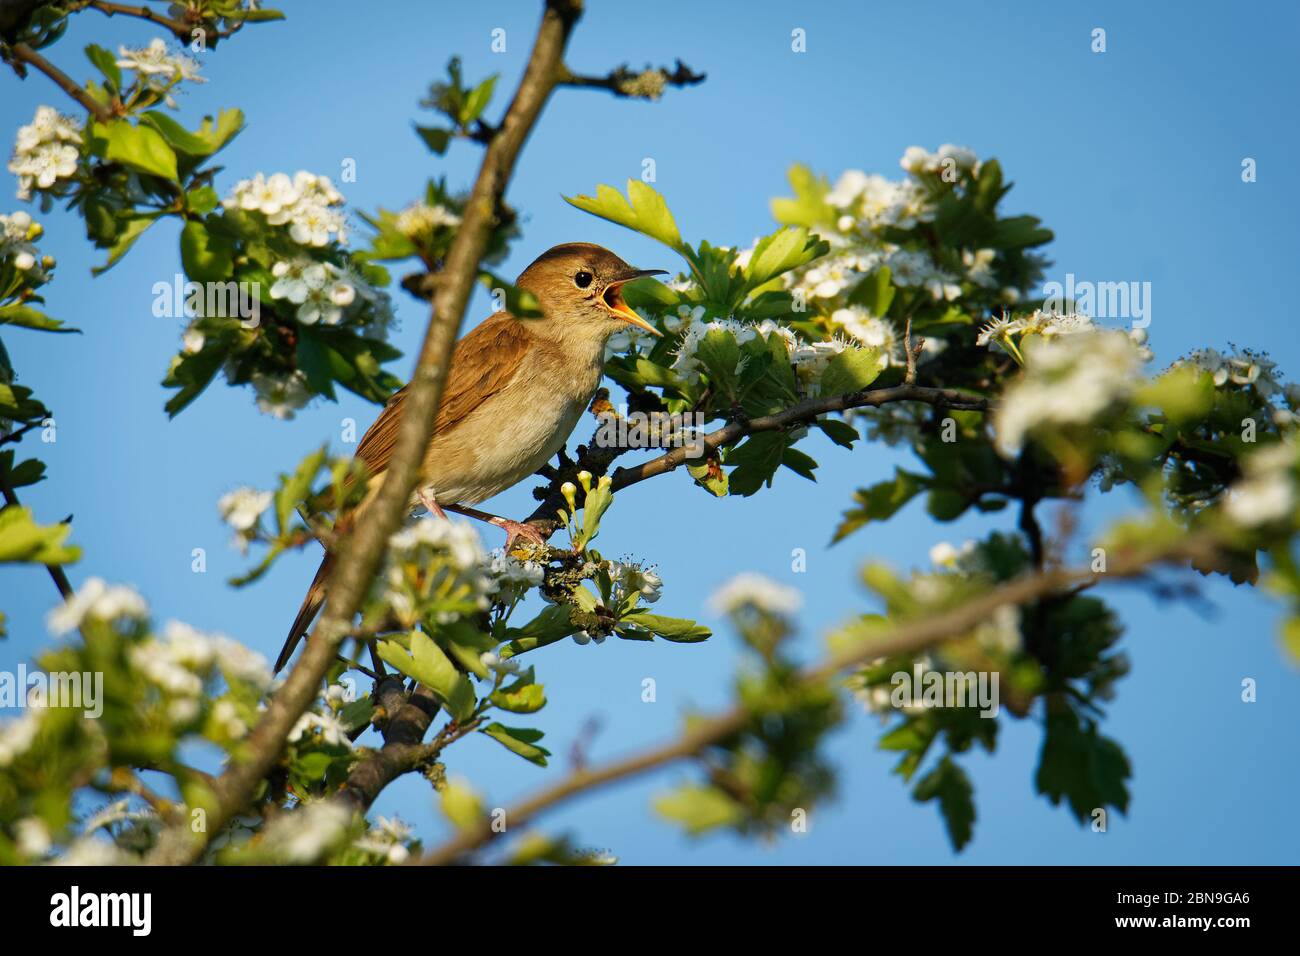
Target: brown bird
(516, 389)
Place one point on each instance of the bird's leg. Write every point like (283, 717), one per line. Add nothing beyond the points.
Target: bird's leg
(513, 529)
(431, 503)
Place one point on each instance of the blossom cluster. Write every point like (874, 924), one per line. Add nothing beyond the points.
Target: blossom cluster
(1267, 491)
(808, 358)
(1069, 380)
(45, 151)
(865, 206)
(17, 232)
(329, 294)
(307, 204)
(439, 565)
(158, 69)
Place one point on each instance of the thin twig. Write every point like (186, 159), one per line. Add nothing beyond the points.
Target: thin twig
(598, 460)
(24, 54)
(635, 84)
(905, 638)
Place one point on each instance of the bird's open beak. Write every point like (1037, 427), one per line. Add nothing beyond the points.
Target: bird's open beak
(614, 299)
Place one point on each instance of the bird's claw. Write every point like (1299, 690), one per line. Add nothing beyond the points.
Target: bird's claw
(520, 529)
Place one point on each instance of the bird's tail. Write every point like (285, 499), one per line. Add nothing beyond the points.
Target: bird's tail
(310, 605)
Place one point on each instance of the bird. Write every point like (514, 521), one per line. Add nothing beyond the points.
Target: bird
(515, 390)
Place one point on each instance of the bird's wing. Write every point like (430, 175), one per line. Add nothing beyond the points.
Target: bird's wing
(483, 363)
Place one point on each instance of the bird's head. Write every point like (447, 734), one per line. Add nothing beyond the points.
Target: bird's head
(578, 285)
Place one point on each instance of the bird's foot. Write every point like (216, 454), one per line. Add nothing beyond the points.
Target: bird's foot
(519, 529)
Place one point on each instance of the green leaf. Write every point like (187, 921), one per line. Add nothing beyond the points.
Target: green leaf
(23, 540)
(709, 475)
(778, 253)
(477, 100)
(1077, 764)
(29, 318)
(755, 461)
(850, 371)
(519, 740)
(461, 805)
(295, 488)
(838, 431)
(551, 625)
(436, 138)
(643, 211)
(949, 784)
(809, 206)
(425, 662)
(880, 501)
(699, 809)
(676, 629)
(875, 293)
(206, 141)
(206, 257)
(520, 303)
(523, 696)
(129, 231)
(106, 63)
(141, 148)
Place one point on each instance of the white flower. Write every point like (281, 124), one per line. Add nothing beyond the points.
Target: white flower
(242, 507)
(17, 736)
(918, 161)
(281, 395)
(192, 340)
(1001, 632)
(943, 555)
(750, 589)
(242, 663)
(95, 599)
(386, 839)
(154, 60)
(1267, 491)
(632, 578)
(304, 835)
(510, 577)
(91, 851)
(329, 727)
(32, 836)
(1069, 379)
(457, 538)
(871, 331)
(979, 266)
(306, 204)
(418, 221)
(45, 151)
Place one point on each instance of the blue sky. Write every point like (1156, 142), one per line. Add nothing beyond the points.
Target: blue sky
(1132, 157)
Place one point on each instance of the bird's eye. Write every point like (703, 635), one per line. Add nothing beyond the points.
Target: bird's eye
(582, 279)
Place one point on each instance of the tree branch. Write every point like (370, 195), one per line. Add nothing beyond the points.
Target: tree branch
(24, 55)
(598, 460)
(908, 637)
(647, 84)
(179, 28)
(363, 547)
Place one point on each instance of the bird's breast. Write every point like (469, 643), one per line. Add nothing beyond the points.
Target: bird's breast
(514, 431)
